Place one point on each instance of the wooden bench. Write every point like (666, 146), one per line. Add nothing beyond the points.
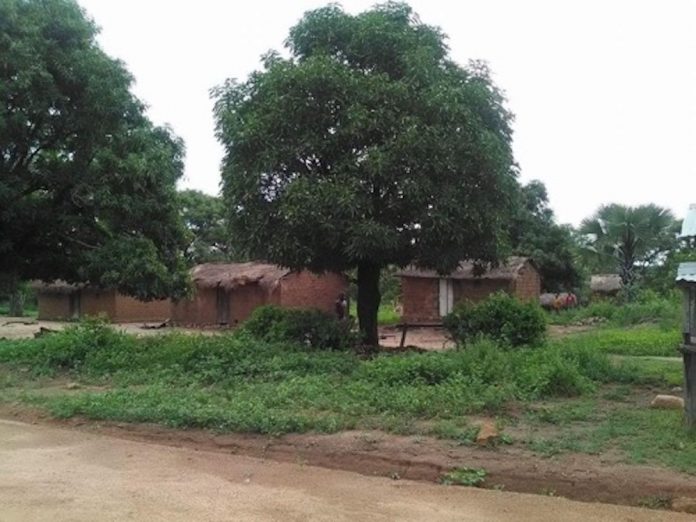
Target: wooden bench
(405, 326)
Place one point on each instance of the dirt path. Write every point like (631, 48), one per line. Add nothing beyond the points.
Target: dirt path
(59, 475)
(26, 328)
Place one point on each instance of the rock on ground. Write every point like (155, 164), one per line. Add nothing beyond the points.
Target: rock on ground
(667, 402)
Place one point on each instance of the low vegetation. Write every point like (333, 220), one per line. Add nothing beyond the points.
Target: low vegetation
(648, 308)
(501, 318)
(292, 372)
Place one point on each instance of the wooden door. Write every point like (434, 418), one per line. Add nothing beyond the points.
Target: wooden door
(446, 296)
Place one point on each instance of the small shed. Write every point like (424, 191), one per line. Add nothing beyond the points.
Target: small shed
(605, 285)
(227, 293)
(61, 301)
(427, 296)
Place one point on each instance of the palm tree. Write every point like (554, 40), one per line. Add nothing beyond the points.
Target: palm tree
(633, 237)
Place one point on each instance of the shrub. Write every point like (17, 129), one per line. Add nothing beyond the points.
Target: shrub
(309, 327)
(500, 317)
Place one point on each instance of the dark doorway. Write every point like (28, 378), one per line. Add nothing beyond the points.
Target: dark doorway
(75, 305)
(223, 306)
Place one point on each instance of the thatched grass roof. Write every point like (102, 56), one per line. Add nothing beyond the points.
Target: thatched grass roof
(56, 287)
(233, 275)
(605, 283)
(508, 271)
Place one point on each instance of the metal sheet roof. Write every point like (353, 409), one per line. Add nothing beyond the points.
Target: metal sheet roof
(686, 273)
(689, 223)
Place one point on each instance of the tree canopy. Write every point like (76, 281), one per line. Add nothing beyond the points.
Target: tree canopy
(632, 238)
(368, 146)
(87, 183)
(204, 219)
(535, 233)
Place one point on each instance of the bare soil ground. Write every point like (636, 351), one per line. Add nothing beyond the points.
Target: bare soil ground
(390, 336)
(26, 327)
(59, 475)
(589, 478)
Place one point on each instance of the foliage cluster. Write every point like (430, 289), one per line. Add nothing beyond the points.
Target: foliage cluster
(500, 317)
(87, 182)
(313, 328)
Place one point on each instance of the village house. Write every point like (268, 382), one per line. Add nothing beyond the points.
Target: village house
(605, 285)
(427, 296)
(227, 293)
(61, 301)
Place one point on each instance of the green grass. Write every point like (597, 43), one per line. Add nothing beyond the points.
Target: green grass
(235, 382)
(386, 315)
(642, 340)
(30, 310)
(641, 434)
(664, 311)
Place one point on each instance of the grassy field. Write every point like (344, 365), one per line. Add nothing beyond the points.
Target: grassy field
(386, 315)
(663, 311)
(566, 395)
(30, 310)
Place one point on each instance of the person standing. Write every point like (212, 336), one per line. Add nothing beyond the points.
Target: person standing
(341, 307)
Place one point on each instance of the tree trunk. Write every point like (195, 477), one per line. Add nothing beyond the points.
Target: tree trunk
(368, 303)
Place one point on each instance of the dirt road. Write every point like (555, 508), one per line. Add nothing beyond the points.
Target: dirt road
(59, 475)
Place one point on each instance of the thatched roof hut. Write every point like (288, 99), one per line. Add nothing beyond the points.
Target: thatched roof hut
(605, 284)
(59, 300)
(508, 271)
(233, 275)
(428, 296)
(227, 293)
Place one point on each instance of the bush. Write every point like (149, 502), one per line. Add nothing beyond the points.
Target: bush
(500, 317)
(308, 327)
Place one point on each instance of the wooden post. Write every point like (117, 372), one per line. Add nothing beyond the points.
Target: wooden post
(689, 353)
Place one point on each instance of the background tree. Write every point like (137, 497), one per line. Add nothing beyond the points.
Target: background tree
(535, 233)
(368, 146)
(204, 218)
(87, 183)
(634, 238)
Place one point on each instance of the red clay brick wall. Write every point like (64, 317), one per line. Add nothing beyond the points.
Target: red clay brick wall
(98, 302)
(201, 309)
(244, 300)
(528, 284)
(476, 290)
(307, 290)
(53, 307)
(420, 300)
(129, 309)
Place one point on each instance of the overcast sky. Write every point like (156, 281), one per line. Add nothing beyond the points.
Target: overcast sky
(604, 92)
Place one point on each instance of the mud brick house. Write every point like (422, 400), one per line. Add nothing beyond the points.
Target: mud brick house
(228, 293)
(60, 301)
(426, 296)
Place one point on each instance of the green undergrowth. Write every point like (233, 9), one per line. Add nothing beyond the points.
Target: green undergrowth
(649, 308)
(577, 396)
(594, 425)
(639, 341)
(236, 382)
